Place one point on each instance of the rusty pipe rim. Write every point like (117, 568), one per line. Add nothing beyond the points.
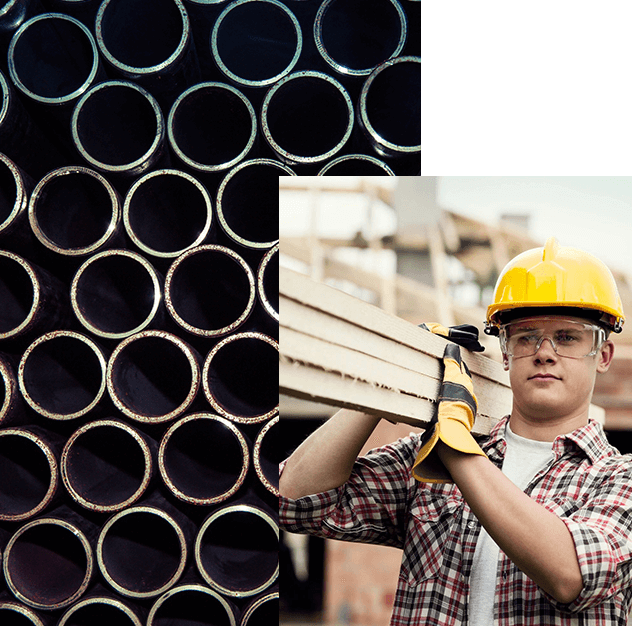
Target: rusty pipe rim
(286, 155)
(136, 510)
(144, 70)
(5, 92)
(364, 158)
(257, 454)
(21, 196)
(77, 534)
(211, 396)
(172, 277)
(265, 81)
(189, 588)
(69, 481)
(10, 389)
(53, 336)
(144, 180)
(100, 601)
(22, 610)
(26, 267)
(39, 193)
(222, 190)
(256, 606)
(153, 276)
(51, 461)
(261, 289)
(199, 559)
(79, 91)
(168, 479)
(183, 347)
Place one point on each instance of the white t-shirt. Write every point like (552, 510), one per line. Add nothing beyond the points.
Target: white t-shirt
(524, 458)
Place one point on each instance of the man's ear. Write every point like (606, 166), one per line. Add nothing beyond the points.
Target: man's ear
(605, 356)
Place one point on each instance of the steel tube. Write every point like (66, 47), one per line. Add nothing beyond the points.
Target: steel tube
(118, 128)
(262, 611)
(167, 212)
(266, 456)
(153, 376)
(356, 165)
(100, 610)
(210, 291)
(13, 13)
(236, 550)
(62, 375)
(241, 377)
(11, 403)
(29, 470)
(15, 187)
(268, 282)
(248, 200)
(355, 36)
(13, 613)
(83, 10)
(107, 465)
(256, 42)
(307, 117)
(116, 293)
(217, 141)
(203, 459)
(390, 107)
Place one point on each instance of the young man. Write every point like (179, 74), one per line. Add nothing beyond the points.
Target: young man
(528, 526)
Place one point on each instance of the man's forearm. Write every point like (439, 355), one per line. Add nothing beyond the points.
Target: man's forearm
(325, 459)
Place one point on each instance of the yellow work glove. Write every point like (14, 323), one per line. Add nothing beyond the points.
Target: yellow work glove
(465, 335)
(452, 422)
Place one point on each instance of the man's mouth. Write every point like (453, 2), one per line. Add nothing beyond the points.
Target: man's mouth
(544, 377)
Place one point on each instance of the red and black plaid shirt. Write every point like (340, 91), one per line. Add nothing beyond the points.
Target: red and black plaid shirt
(588, 485)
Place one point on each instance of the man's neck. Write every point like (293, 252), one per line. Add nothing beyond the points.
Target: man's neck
(545, 428)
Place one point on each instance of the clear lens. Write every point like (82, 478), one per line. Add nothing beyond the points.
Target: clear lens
(571, 339)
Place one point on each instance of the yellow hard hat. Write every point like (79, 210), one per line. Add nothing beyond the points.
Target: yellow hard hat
(556, 276)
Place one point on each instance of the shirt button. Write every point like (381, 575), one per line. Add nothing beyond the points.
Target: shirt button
(471, 525)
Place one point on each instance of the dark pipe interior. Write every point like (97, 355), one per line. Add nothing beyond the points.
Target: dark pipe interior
(8, 192)
(394, 104)
(74, 210)
(212, 126)
(203, 458)
(264, 614)
(117, 125)
(193, 608)
(99, 614)
(271, 281)
(141, 552)
(115, 293)
(16, 294)
(307, 116)
(141, 33)
(25, 475)
(256, 41)
(53, 57)
(47, 564)
(63, 375)
(10, 617)
(360, 34)
(243, 377)
(152, 376)
(353, 167)
(270, 455)
(250, 202)
(210, 290)
(239, 551)
(105, 465)
(167, 213)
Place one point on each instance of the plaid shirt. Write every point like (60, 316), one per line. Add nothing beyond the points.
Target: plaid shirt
(588, 485)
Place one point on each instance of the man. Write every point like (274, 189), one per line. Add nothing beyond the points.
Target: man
(528, 526)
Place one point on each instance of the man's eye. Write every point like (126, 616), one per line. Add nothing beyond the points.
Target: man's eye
(530, 338)
(566, 338)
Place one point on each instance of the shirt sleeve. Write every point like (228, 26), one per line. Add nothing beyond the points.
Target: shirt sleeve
(370, 507)
(602, 532)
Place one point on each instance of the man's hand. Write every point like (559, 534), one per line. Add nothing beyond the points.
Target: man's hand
(465, 335)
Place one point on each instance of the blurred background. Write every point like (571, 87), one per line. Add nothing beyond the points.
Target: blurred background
(431, 249)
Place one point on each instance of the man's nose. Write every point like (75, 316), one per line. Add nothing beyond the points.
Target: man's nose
(545, 347)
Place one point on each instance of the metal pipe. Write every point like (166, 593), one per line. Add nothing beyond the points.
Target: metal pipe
(29, 470)
(13, 613)
(48, 563)
(101, 610)
(217, 141)
(356, 165)
(267, 456)
(262, 611)
(268, 282)
(15, 186)
(307, 117)
(62, 375)
(75, 212)
(13, 13)
(153, 376)
(236, 550)
(12, 409)
(210, 290)
(116, 293)
(83, 10)
(118, 128)
(107, 465)
(167, 212)
(355, 36)
(390, 107)
(256, 42)
(203, 459)
(240, 377)
(192, 604)
(248, 201)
